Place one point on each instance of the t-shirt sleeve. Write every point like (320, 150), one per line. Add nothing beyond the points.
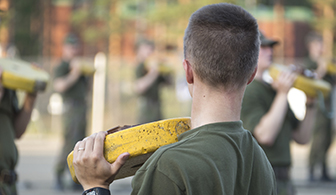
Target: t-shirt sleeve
(61, 70)
(154, 181)
(140, 71)
(253, 109)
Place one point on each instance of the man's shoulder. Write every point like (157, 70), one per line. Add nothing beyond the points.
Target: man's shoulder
(211, 154)
(62, 65)
(61, 69)
(258, 90)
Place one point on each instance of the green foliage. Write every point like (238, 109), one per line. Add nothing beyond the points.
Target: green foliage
(5, 18)
(323, 2)
(170, 13)
(320, 22)
(91, 19)
(305, 3)
(27, 26)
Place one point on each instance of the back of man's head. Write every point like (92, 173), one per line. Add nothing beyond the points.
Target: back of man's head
(222, 43)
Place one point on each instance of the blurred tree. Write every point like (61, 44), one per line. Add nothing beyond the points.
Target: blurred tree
(25, 25)
(23, 21)
(168, 18)
(91, 20)
(325, 23)
(305, 3)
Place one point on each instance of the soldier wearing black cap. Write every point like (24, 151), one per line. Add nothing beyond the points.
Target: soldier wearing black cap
(323, 131)
(266, 113)
(73, 86)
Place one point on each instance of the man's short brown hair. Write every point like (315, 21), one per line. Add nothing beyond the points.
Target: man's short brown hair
(222, 44)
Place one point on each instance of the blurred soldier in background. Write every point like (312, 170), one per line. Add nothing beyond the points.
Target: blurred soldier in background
(148, 82)
(266, 112)
(323, 133)
(73, 87)
(13, 124)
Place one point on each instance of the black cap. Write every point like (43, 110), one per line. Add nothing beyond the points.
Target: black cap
(265, 41)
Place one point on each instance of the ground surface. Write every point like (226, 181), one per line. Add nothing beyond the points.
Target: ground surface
(38, 156)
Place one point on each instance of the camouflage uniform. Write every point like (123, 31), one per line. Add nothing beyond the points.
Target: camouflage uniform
(323, 133)
(74, 116)
(8, 150)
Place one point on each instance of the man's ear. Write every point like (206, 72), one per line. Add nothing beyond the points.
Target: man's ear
(253, 75)
(188, 71)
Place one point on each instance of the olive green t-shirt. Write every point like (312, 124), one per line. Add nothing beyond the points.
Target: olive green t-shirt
(150, 104)
(76, 92)
(311, 65)
(323, 119)
(257, 101)
(8, 110)
(217, 159)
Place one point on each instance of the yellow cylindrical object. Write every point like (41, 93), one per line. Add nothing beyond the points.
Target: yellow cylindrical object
(311, 87)
(140, 141)
(164, 69)
(331, 68)
(18, 74)
(87, 70)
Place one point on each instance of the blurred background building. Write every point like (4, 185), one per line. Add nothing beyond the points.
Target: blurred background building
(37, 29)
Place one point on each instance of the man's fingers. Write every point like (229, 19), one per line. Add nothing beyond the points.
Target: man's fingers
(89, 142)
(292, 77)
(78, 150)
(99, 143)
(121, 160)
(287, 78)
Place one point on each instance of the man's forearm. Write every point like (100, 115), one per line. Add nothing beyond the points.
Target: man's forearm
(270, 124)
(64, 83)
(144, 83)
(23, 117)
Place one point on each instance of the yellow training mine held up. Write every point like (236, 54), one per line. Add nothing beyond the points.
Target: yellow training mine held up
(18, 74)
(140, 141)
(311, 87)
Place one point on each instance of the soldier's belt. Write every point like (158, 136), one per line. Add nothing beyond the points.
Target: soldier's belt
(311, 87)
(140, 141)
(18, 74)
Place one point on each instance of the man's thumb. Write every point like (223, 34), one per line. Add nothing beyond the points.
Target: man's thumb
(121, 160)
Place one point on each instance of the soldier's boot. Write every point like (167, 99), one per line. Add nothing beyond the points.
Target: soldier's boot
(59, 186)
(311, 174)
(325, 174)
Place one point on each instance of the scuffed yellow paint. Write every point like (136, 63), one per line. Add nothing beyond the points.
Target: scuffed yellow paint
(140, 141)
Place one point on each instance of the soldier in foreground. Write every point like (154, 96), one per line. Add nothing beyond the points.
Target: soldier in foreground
(217, 156)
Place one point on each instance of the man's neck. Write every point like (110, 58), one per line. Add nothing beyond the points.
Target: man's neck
(213, 106)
